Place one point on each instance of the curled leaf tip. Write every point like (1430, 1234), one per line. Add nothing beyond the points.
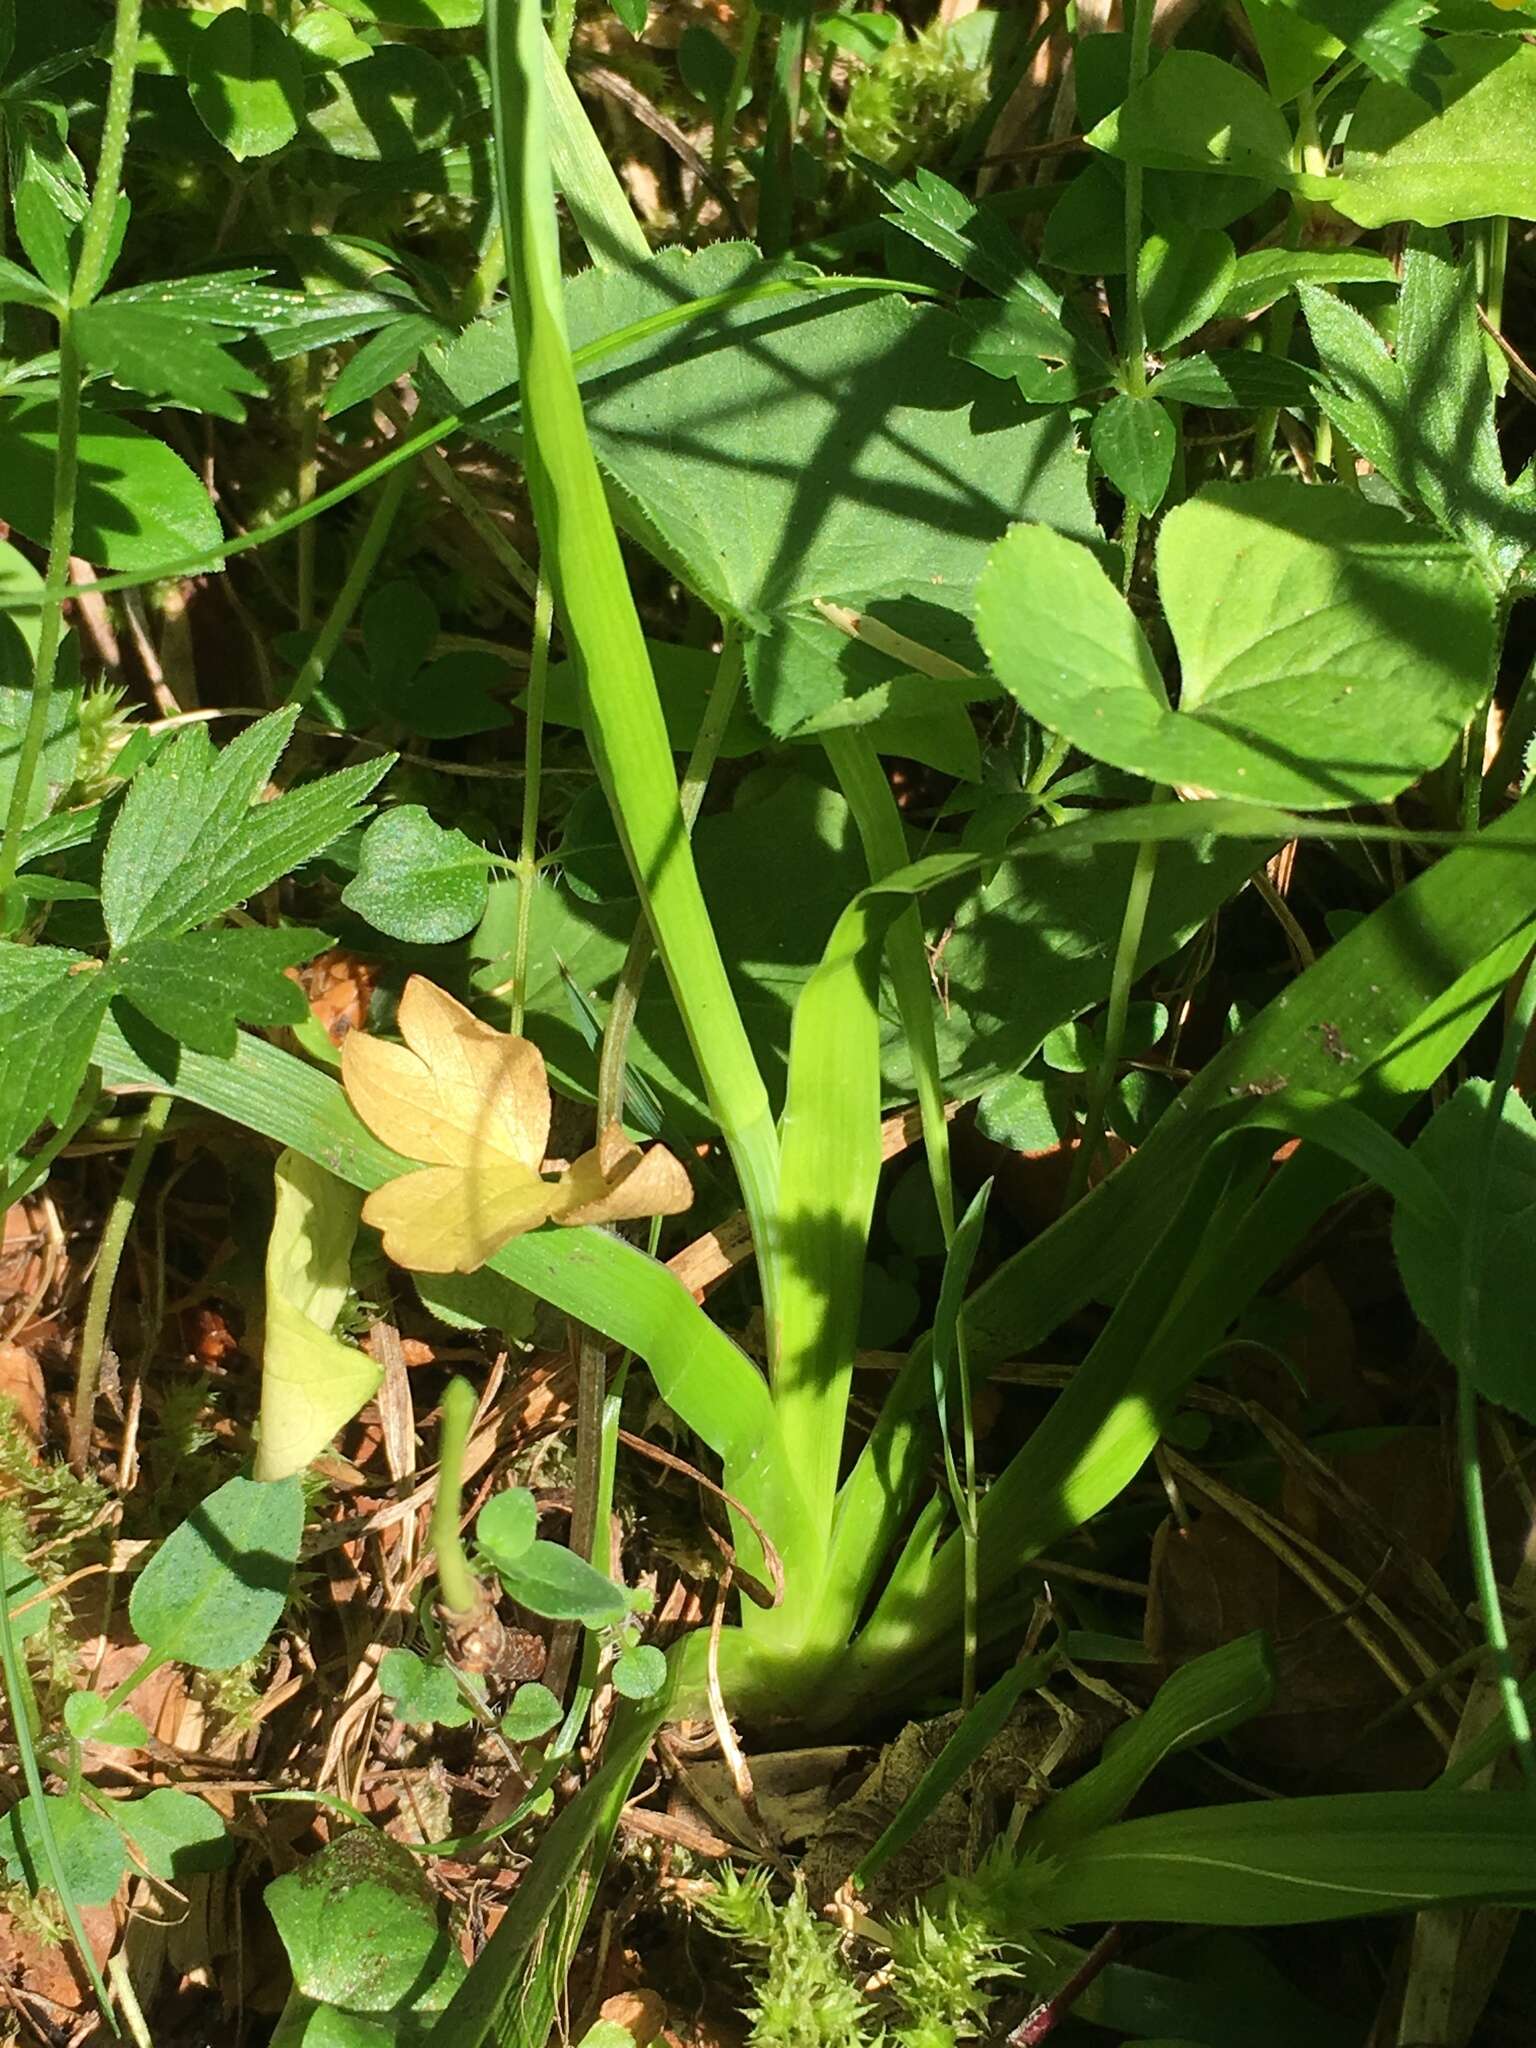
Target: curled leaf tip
(472, 1105)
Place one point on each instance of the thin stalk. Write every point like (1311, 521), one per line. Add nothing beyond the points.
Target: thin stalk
(91, 270)
(93, 1334)
(642, 946)
(562, 27)
(17, 1690)
(1469, 1321)
(725, 130)
(55, 590)
(1127, 949)
(1134, 349)
(459, 1589)
(533, 773)
(375, 534)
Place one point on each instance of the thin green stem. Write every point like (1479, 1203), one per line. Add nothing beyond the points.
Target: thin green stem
(375, 534)
(91, 270)
(459, 1589)
(642, 946)
(55, 590)
(533, 773)
(17, 1690)
(1489, 1599)
(150, 1662)
(1134, 350)
(725, 128)
(1127, 950)
(93, 1334)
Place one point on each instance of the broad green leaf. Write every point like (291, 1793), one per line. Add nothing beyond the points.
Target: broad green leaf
(1474, 158)
(1183, 278)
(198, 986)
(1200, 113)
(1388, 38)
(211, 1594)
(193, 838)
(90, 1848)
(311, 1382)
(533, 1712)
(1295, 52)
(51, 1003)
(154, 349)
(1330, 654)
(708, 66)
(1496, 1351)
(425, 1695)
(1283, 1863)
(361, 1927)
(390, 354)
(55, 769)
(414, 13)
(177, 1834)
(640, 1673)
(551, 1580)
(1134, 443)
(397, 104)
(138, 506)
(507, 1525)
(21, 585)
(1197, 1704)
(1051, 360)
(417, 880)
(247, 83)
(850, 482)
(1262, 276)
(1235, 378)
(88, 1719)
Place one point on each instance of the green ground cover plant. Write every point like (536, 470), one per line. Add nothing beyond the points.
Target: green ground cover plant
(848, 664)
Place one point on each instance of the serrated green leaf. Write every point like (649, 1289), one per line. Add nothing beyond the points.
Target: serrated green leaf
(1239, 379)
(247, 83)
(177, 1834)
(193, 838)
(90, 1848)
(1330, 653)
(51, 1003)
(196, 988)
(154, 349)
(1134, 443)
(974, 239)
(211, 1594)
(138, 503)
(417, 880)
(18, 287)
(1262, 276)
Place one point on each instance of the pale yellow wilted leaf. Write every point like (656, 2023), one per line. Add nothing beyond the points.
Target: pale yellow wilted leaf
(472, 1103)
(311, 1382)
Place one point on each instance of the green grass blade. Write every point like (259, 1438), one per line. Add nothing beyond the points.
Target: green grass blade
(588, 183)
(581, 555)
(1197, 1704)
(1401, 994)
(1282, 1864)
(589, 1274)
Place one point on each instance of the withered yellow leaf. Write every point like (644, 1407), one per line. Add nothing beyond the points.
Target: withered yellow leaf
(472, 1103)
